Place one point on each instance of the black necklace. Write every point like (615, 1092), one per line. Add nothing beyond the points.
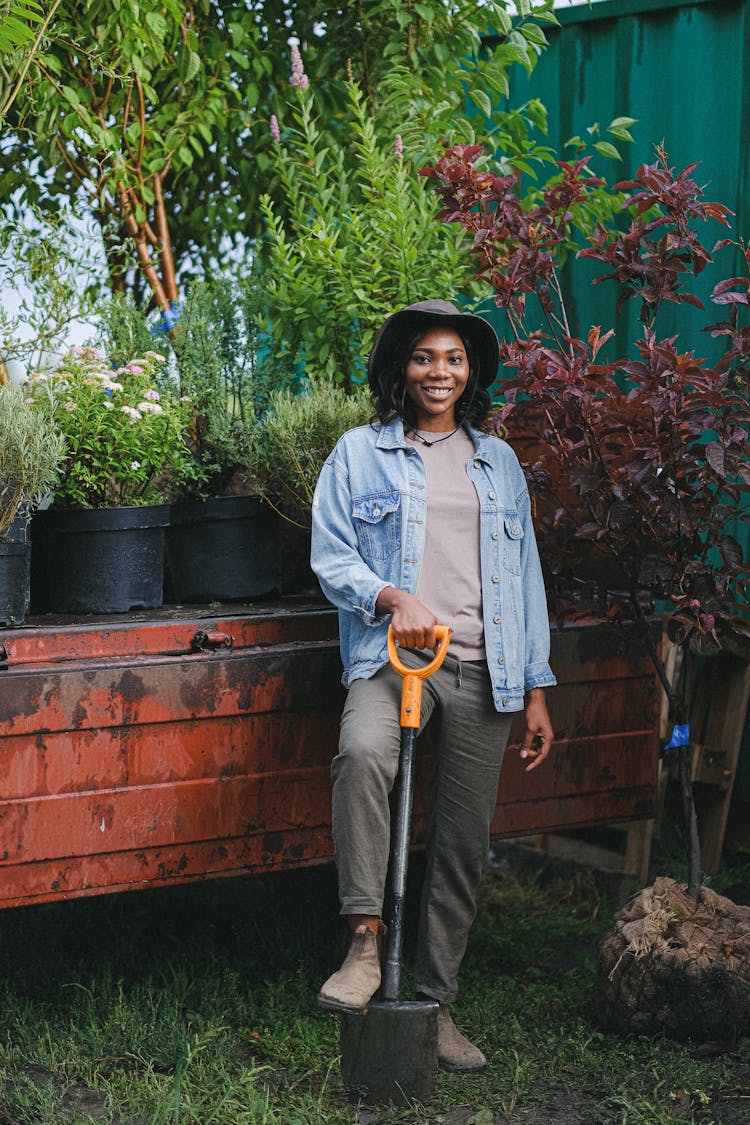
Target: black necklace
(424, 441)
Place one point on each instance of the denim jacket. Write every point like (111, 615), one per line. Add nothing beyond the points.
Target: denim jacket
(369, 513)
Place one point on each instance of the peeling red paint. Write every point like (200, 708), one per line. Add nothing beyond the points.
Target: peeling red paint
(129, 759)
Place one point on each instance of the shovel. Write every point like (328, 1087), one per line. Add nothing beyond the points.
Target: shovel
(389, 1053)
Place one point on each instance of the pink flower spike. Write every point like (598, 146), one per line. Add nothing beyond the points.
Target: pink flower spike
(274, 127)
(297, 65)
(298, 76)
(398, 145)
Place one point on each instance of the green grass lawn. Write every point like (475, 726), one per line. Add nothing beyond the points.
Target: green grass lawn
(197, 1005)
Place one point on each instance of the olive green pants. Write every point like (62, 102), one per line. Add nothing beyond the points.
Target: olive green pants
(469, 739)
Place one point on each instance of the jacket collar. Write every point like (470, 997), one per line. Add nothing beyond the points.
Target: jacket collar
(391, 436)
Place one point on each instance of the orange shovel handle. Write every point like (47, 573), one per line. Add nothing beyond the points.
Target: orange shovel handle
(411, 689)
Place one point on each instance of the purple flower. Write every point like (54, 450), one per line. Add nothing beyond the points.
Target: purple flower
(298, 76)
(398, 145)
(274, 127)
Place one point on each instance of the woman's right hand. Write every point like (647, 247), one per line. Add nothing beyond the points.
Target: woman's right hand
(413, 623)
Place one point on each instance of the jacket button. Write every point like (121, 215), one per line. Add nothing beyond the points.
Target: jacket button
(491, 495)
(497, 619)
(505, 702)
(494, 535)
(501, 659)
(495, 577)
(477, 464)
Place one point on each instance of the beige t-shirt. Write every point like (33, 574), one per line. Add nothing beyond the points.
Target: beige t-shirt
(450, 579)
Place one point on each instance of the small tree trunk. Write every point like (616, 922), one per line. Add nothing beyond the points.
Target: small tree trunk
(684, 759)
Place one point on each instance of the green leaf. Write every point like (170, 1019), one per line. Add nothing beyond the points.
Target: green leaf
(604, 148)
(534, 34)
(481, 101)
(72, 95)
(503, 22)
(426, 13)
(157, 25)
(188, 65)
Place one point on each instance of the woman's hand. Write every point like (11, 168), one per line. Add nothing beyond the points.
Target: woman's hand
(413, 623)
(537, 741)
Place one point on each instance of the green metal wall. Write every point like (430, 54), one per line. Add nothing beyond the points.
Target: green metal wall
(682, 69)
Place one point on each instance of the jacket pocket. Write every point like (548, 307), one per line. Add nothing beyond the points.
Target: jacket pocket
(512, 542)
(377, 520)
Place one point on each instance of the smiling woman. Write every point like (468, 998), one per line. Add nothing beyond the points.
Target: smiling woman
(423, 520)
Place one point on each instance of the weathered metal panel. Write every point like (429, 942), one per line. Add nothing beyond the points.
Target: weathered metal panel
(130, 759)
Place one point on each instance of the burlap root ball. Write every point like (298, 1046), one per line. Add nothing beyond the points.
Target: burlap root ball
(676, 966)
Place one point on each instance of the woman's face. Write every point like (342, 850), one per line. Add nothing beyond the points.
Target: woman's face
(436, 376)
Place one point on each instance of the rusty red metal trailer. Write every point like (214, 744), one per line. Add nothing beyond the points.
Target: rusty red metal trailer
(183, 743)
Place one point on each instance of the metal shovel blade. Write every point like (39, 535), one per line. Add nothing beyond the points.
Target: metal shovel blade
(390, 1053)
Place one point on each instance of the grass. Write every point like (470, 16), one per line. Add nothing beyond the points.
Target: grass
(195, 1006)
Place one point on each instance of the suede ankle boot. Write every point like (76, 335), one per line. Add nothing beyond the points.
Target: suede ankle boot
(455, 1051)
(351, 988)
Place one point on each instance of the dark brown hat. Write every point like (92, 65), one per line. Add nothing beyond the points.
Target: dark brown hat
(401, 325)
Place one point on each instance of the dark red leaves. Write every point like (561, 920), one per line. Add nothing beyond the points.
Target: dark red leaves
(638, 464)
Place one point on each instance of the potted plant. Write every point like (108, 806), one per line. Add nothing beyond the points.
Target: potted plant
(222, 542)
(30, 452)
(102, 539)
(298, 431)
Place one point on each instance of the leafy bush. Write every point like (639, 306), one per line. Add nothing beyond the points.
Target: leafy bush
(218, 348)
(124, 438)
(639, 463)
(31, 450)
(359, 240)
(295, 438)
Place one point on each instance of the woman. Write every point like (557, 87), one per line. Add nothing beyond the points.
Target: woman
(417, 520)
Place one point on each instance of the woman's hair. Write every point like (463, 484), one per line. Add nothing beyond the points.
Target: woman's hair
(389, 392)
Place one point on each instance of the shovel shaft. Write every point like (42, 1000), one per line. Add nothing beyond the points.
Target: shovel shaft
(390, 981)
(411, 695)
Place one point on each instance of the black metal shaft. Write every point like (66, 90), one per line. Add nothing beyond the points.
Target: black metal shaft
(390, 982)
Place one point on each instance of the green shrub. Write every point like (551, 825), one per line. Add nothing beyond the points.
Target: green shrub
(295, 438)
(31, 450)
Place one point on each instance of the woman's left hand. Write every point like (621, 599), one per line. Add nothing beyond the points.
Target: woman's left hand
(537, 741)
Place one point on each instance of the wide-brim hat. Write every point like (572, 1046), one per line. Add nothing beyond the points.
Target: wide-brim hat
(402, 325)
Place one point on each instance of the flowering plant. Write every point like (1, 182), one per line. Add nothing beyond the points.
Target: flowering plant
(124, 429)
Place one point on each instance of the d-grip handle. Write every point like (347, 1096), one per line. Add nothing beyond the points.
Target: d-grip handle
(411, 689)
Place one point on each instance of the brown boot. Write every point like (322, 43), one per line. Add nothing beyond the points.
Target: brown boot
(455, 1051)
(356, 982)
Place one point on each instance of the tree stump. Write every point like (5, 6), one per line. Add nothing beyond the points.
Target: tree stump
(677, 966)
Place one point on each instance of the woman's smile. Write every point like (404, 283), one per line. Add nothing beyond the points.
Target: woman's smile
(436, 377)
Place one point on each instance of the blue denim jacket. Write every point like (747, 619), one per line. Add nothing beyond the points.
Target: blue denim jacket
(368, 531)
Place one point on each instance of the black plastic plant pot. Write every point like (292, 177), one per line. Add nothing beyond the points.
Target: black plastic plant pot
(225, 549)
(15, 564)
(107, 560)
